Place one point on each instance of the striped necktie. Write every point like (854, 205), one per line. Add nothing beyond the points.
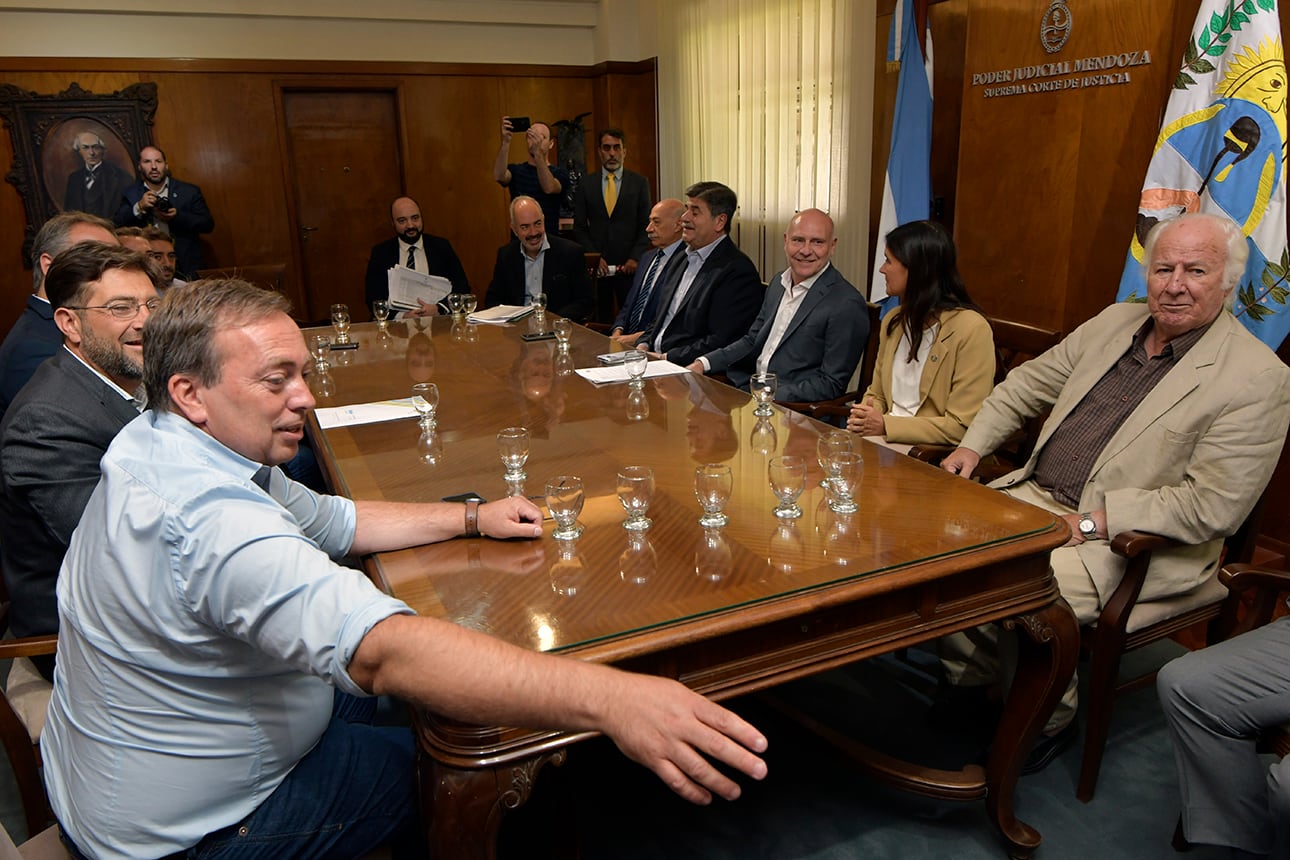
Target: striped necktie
(634, 321)
(412, 257)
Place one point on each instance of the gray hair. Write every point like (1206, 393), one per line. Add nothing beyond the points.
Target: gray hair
(1238, 252)
(53, 238)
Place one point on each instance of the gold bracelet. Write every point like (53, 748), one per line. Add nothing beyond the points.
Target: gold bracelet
(472, 518)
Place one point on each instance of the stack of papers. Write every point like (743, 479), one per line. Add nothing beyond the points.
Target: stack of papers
(406, 286)
(618, 373)
(364, 413)
(500, 315)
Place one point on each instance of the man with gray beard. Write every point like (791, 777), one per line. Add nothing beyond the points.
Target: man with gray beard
(57, 428)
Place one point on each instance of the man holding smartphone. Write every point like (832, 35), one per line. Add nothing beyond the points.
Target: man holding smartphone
(534, 178)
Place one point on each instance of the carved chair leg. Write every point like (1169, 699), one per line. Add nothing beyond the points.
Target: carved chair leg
(1104, 668)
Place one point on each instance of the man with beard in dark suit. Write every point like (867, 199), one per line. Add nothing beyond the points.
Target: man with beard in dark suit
(412, 249)
(710, 301)
(59, 425)
(164, 202)
(96, 187)
(537, 263)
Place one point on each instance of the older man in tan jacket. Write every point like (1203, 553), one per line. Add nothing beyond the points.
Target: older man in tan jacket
(1166, 417)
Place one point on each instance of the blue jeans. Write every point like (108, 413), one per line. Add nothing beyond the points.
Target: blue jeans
(354, 791)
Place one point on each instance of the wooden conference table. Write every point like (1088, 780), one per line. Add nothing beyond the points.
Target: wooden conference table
(728, 611)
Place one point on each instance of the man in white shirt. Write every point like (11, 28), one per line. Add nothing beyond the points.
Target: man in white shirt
(813, 325)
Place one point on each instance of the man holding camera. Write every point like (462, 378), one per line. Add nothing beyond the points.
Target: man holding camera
(534, 178)
(174, 207)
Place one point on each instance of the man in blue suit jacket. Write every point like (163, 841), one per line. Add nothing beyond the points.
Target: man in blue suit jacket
(432, 255)
(639, 311)
(618, 235)
(35, 336)
(554, 265)
(61, 423)
(164, 202)
(813, 324)
(710, 301)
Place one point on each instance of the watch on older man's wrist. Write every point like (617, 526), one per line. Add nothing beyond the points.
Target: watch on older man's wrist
(472, 518)
(1087, 527)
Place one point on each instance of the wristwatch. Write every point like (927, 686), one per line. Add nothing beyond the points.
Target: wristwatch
(472, 518)
(1087, 527)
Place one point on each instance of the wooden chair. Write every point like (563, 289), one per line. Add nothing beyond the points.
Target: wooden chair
(836, 410)
(1124, 625)
(22, 718)
(268, 275)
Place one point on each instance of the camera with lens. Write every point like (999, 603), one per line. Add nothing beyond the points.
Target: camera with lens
(161, 204)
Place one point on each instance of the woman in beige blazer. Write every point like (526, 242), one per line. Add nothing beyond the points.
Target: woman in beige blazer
(936, 352)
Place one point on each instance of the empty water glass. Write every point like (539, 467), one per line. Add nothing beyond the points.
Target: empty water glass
(425, 400)
(468, 303)
(762, 386)
(381, 313)
(454, 305)
(635, 363)
(563, 332)
(831, 443)
(320, 349)
(539, 306)
(845, 470)
(712, 486)
(340, 321)
(787, 481)
(635, 492)
(564, 497)
(513, 448)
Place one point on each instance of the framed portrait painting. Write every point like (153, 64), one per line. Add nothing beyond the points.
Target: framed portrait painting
(75, 149)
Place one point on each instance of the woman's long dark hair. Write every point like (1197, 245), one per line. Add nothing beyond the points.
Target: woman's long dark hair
(934, 283)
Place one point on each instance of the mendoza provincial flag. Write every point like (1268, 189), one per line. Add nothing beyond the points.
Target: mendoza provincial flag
(907, 192)
(1222, 149)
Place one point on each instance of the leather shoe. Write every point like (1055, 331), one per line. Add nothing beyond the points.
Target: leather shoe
(1048, 747)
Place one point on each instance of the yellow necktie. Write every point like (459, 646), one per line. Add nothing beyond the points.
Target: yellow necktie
(611, 192)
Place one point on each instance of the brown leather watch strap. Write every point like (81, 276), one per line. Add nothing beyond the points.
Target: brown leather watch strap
(472, 518)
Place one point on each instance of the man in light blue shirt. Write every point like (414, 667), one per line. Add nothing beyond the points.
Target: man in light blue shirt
(204, 623)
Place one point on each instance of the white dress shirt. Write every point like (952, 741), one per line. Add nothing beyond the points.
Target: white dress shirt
(695, 262)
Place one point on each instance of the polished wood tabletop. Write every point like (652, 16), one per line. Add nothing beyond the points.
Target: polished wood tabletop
(728, 610)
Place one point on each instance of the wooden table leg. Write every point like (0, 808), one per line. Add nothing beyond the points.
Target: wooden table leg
(1048, 647)
(463, 807)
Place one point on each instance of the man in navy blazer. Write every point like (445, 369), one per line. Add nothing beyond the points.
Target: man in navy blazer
(813, 324)
(164, 202)
(61, 423)
(35, 336)
(638, 311)
(537, 263)
(710, 301)
(432, 255)
(617, 235)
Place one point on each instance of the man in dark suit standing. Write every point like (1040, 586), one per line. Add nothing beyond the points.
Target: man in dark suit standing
(35, 336)
(640, 307)
(164, 202)
(711, 301)
(56, 430)
(812, 327)
(610, 210)
(97, 186)
(537, 263)
(412, 249)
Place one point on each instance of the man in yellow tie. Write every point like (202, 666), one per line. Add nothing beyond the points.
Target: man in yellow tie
(610, 211)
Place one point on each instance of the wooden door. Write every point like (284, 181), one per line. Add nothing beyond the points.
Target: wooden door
(345, 167)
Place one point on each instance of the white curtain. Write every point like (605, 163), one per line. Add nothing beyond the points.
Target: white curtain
(774, 98)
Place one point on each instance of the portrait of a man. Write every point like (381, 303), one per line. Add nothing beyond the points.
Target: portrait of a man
(95, 186)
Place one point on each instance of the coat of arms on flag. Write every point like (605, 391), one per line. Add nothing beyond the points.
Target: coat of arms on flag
(1222, 149)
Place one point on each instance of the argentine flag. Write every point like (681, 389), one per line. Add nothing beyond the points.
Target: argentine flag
(907, 192)
(1222, 149)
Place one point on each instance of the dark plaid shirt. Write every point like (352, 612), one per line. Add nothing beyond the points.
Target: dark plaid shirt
(1067, 459)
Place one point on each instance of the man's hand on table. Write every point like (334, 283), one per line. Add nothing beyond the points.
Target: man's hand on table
(961, 462)
(512, 517)
(669, 729)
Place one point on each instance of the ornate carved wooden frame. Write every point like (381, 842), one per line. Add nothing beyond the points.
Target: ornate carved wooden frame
(40, 126)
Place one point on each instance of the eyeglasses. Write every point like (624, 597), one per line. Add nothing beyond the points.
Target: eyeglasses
(122, 310)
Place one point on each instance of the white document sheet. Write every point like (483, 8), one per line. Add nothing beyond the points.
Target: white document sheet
(406, 286)
(500, 315)
(364, 413)
(618, 373)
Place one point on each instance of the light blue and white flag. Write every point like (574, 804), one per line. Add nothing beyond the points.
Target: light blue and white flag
(1222, 149)
(907, 192)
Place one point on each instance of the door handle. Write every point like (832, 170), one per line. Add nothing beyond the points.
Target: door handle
(304, 233)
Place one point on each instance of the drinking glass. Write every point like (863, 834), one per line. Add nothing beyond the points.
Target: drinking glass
(564, 497)
(845, 469)
(635, 492)
(340, 321)
(563, 332)
(762, 386)
(320, 349)
(381, 313)
(787, 481)
(635, 363)
(539, 306)
(831, 443)
(454, 305)
(712, 486)
(637, 405)
(513, 447)
(425, 400)
(468, 303)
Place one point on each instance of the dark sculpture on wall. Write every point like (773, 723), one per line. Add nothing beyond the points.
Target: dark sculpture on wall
(74, 149)
(571, 143)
